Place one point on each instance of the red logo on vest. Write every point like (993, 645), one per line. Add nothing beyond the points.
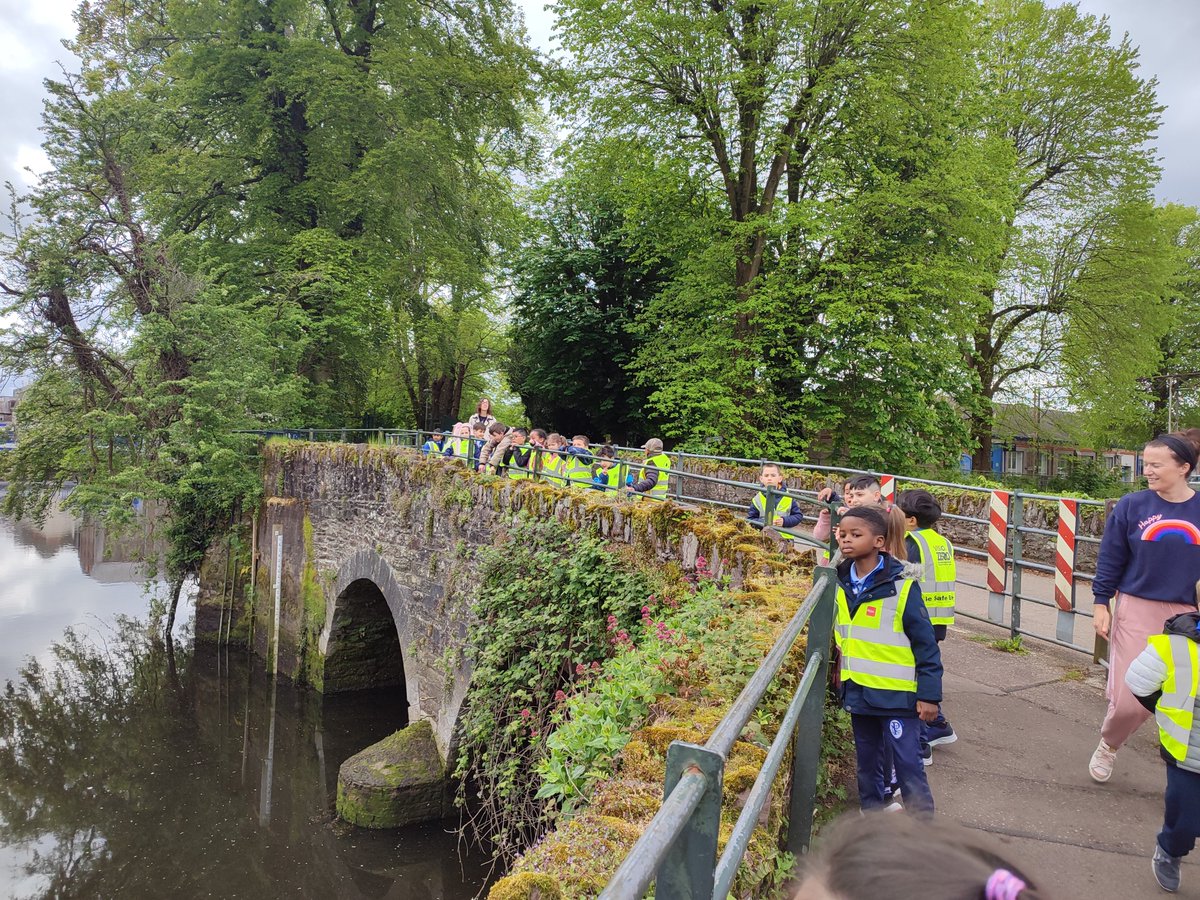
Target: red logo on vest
(872, 611)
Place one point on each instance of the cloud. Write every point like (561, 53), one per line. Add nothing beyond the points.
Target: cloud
(31, 162)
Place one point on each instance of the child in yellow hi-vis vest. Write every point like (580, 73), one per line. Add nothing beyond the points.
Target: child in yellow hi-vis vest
(1165, 677)
(939, 576)
(890, 666)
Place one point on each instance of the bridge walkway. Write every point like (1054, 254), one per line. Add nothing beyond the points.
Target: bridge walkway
(1028, 724)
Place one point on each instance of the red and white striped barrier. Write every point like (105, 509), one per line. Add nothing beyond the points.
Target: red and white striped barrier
(887, 487)
(1064, 554)
(997, 544)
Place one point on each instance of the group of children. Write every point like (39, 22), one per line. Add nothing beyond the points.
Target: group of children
(896, 578)
(521, 453)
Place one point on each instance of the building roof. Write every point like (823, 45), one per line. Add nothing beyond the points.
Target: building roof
(1051, 426)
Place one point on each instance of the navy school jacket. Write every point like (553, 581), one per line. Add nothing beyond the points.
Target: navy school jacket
(876, 702)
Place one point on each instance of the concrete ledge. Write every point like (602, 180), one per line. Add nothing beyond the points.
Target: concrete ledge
(399, 781)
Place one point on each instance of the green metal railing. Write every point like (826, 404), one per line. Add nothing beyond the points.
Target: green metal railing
(678, 849)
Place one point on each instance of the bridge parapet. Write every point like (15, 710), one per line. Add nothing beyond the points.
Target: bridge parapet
(374, 551)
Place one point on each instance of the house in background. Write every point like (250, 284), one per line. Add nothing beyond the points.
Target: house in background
(1038, 442)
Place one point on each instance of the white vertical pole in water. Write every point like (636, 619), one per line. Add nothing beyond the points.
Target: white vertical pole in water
(278, 594)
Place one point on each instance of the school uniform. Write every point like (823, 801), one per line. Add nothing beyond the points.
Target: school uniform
(888, 660)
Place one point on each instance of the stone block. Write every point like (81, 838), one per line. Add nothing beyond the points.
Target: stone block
(399, 781)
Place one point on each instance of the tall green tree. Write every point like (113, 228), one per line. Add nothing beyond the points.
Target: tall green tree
(1067, 101)
(252, 206)
(579, 295)
(820, 192)
(1147, 270)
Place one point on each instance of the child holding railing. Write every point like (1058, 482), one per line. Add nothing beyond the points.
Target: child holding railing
(786, 513)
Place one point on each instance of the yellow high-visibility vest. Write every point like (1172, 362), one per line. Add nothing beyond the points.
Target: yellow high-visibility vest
(1176, 707)
(875, 651)
(939, 576)
(662, 462)
(612, 477)
(783, 505)
(554, 468)
(579, 473)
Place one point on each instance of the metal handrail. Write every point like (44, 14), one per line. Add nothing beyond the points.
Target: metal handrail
(679, 846)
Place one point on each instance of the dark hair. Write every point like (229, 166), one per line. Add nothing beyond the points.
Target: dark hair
(876, 519)
(921, 505)
(863, 483)
(608, 451)
(881, 855)
(521, 431)
(1184, 446)
(538, 432)
(497, 428)
(479, 407)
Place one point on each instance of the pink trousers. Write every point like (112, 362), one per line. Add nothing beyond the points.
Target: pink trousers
(1134, 620)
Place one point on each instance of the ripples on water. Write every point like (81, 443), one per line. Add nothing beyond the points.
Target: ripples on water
(128, 770)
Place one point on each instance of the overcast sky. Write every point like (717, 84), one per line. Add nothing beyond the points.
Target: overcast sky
(1167, 31)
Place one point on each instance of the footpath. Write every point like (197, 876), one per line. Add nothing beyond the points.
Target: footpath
(1027, 726)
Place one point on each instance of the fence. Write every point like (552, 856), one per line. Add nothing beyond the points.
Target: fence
(1002, 581)
(678, 849)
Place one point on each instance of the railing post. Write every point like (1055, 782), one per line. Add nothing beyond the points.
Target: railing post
(679, 478)
(688, 871)
(997, 549)
(1018, 522)
(806, 755)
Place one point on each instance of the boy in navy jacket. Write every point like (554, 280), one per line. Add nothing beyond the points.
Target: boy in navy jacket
(890, 667)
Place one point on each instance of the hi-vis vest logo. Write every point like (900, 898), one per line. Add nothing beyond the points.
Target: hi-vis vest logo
(872, 611)
(944, 555)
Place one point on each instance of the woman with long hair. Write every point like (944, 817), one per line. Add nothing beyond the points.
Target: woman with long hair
(482, 416)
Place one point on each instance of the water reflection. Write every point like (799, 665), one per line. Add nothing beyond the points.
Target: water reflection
(131, 768)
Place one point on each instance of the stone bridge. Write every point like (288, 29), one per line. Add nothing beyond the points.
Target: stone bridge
(373, 555)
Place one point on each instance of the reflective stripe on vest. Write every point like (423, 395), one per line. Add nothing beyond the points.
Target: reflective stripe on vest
(939, 575)
(579, 473)
(662, 463)
(783, 505)
(554, 468)
(515, 468)
(1176, 707)
(611, 476)
(875, 651)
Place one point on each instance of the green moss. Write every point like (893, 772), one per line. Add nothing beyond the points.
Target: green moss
(398, 781)
(526, 886)
(312, 598)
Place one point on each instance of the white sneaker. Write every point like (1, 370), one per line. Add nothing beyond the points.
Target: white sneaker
(1103, 760)
(893, 807)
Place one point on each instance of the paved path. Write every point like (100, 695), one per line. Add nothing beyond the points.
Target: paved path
(1028, 725)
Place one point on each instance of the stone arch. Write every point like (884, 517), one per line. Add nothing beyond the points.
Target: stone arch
(416, 624)
(368, 616)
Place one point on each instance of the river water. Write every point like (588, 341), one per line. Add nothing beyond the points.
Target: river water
(130, 768)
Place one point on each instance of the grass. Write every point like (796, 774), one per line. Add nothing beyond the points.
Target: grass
(1003, 645)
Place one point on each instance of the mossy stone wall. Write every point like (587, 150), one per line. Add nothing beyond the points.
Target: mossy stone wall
(413, 527)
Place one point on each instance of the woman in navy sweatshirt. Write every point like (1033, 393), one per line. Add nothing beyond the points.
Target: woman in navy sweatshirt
(1147, 571)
